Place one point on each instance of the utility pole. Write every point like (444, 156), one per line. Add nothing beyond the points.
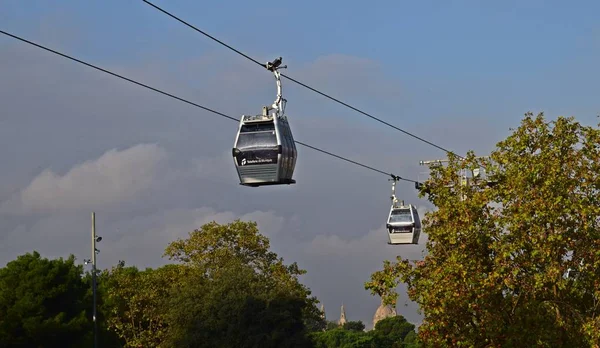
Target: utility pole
(94, 278)
(95, 251)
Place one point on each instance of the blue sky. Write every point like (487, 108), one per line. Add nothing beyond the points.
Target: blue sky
(464, 55)
(471, 36)
(457, 73)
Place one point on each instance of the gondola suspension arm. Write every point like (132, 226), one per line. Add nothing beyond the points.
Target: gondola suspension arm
(279, 103)
(394, 180)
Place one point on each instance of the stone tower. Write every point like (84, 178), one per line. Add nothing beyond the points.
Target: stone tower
(342, 320)
(323, 312)
(383, 312)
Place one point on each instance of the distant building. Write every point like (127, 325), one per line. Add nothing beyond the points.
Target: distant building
(383, 312)
(342, 320)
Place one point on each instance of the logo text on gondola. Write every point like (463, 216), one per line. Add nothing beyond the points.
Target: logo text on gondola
(256, 161)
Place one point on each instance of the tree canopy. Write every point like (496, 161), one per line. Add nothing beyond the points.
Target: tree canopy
(235, 307)
(354, 325)
(390, 332)
(513, 257)
(44, 303)
(226, 288)
(133, 302)
(216, 252)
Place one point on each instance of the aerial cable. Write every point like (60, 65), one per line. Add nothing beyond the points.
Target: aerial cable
(417, 184)
(301, 83)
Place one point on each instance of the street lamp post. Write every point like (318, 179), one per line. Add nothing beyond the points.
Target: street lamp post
(95, 251)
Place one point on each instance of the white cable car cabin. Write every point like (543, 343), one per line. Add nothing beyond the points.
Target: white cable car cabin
(264, 151)
(403, 224)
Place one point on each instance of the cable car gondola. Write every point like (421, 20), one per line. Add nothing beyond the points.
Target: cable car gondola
(264, 151)
(403, 224)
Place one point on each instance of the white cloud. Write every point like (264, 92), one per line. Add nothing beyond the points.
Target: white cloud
(113, 177)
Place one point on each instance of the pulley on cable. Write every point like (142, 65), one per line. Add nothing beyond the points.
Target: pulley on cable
(264, 151)
(403, 224)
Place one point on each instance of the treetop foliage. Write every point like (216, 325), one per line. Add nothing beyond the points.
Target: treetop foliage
(391, 332)
(43, 303)
(500, 248)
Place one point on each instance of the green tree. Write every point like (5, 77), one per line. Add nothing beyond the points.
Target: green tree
(133, 302)
(495, 273)
(234, 308)
(331, 325)
(106, 336)
(341, 338)
(388, 333)
(241, 293)
(44, 303)
(392, 331)
(313, 321)
(411, 340)
(354, 325)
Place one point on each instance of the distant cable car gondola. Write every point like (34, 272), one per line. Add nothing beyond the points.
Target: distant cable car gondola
(403, 224)
(264, 151)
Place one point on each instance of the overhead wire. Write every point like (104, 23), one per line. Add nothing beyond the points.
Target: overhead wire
(196, 104)
(301, 83)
